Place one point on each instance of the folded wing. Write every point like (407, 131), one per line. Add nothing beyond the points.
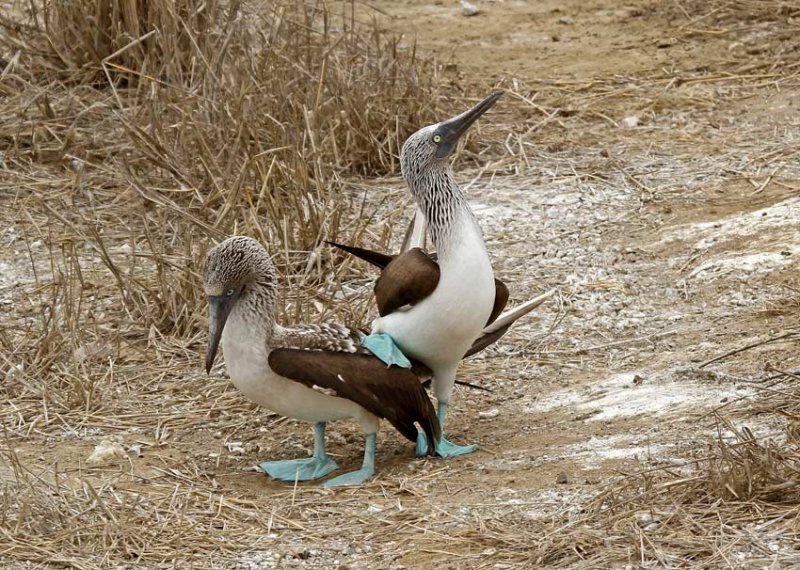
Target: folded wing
(409, 277)
(394, 394)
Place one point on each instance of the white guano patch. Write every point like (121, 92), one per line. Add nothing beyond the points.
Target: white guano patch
(784, 214)
(771, 245)
(748, 264)
(619, 396)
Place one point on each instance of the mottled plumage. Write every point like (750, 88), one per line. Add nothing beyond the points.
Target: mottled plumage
(333, 337)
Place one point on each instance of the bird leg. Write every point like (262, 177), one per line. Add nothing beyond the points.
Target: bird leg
(314, 467)
(444, 447)
(367, 468)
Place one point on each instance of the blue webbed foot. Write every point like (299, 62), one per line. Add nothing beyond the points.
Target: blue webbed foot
(306, 469)
(352, 478)
(444, 447)
(384, 347)
(367, 468)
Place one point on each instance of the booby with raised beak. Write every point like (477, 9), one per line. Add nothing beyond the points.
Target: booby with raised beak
(431, 310)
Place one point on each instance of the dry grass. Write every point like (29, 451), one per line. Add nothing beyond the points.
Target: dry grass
(209, 117)
(128, 146)
(125, 153)
(187, 121)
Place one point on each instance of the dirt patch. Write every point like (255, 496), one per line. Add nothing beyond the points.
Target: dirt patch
(574, 40)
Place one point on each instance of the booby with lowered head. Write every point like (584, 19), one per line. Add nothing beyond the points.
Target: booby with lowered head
(316, 373)
(435, 310)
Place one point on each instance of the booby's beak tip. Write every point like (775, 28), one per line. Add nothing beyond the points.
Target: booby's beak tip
(451, 130)
(488, 101)
(211, 354)
(497, 94)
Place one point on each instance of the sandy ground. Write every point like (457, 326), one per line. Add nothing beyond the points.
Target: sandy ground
(668, 221)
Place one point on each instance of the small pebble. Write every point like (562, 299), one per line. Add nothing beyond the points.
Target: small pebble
(468, 9)
(630, 122)
(235, 447)
(105, 451)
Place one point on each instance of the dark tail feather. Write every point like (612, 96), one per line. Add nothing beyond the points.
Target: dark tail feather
(487, 339)
(427, 384)
(415, 409)
(501, 295)
(375, 258)
(431, 427)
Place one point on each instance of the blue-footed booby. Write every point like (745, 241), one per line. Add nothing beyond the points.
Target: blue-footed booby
(436, 310)
(316, 373)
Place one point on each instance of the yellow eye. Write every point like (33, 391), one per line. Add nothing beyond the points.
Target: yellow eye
(437, 138)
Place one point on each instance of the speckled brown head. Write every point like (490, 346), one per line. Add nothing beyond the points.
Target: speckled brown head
(237, 270)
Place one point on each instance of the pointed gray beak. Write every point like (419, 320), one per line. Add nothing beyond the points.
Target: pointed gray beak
(219, 307)
(452, 129)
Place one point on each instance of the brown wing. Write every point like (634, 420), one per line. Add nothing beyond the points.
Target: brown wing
(500, 324)
(394, 394)
(407, 280)
(485, 340)
(390, 289)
